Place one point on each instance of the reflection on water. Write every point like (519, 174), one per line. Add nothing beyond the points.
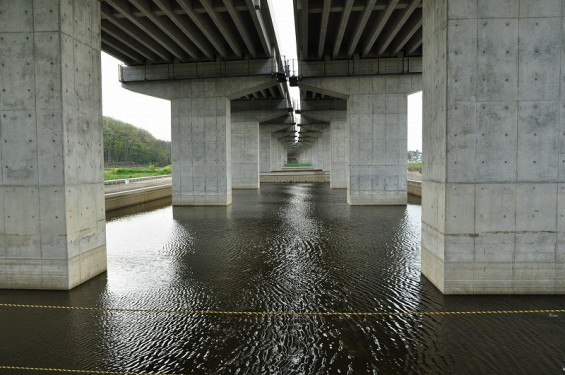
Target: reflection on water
(285, 248)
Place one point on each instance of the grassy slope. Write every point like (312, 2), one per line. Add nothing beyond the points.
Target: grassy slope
(121, 173)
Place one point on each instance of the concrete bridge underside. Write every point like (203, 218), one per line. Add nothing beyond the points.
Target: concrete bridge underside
(494, 135)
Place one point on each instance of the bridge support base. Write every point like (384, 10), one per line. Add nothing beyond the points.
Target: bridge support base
(493, 208)
(52, 217)
(376, 134)
(201, 135)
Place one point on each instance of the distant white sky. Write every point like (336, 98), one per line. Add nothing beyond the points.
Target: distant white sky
(415, 121)
(154, 115)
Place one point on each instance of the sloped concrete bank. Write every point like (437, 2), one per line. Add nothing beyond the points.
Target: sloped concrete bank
(295, 176)
(414, 188)
(127, 198)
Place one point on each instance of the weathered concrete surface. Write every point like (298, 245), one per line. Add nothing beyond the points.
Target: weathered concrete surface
(319, 152)
(52, 219)
(376, 118)
(494, 146)
(132, 197)
(201, 134)
(339, 150)
(415, 188)
(245, 146)
(295, 177)
(265, 146)
(277, 150)
(245, 151)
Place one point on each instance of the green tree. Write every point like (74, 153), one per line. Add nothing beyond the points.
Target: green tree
(126, 143)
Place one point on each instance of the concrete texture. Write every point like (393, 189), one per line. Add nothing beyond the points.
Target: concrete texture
(245, 151)
(201, 134)
(52, 216)
(133, 197)
(274, 138)
(319, 152)
(377, 132)
(492, 210)
(245, 146)
(265, 132)
(338, 150)
(415, 188)
(295, 177)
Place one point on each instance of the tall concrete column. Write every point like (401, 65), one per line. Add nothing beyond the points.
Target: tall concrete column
(327, 150)
(319, 154)
(245, 146)
(245, 152)
(494, 146)
(201, 134)
(52, 216)
(276, 150)
(202, 155)
(265, 145)
(376, 119)
(338, 151)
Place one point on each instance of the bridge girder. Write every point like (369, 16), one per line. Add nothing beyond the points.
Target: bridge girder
(182, 31)
(331, 29)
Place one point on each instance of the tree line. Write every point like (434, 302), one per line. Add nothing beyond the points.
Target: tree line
(127, 144)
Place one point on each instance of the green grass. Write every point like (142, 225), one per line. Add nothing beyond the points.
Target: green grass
(121, 173)
(298, 165)
(415, 166)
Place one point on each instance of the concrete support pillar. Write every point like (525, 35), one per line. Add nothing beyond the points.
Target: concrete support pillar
(246, 146)
(337, 151)
(52, 216)
(277, 150)
(377, 141)
(305, 156)
(322, 151)
(327, 150)
(202, 155)
(494, 147)
(377, 132)
(265, 153)
(245, 152)
(201, 134)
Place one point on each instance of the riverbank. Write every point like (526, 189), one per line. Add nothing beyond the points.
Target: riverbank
(414, 186)
(130, 192)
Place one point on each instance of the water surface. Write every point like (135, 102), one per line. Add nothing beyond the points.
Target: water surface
(288, 248)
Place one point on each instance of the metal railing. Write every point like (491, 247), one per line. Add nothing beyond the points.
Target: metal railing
(352, 67)
(130, 184)
(195, 70)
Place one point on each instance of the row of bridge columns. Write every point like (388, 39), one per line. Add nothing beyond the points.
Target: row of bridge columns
(494, 138)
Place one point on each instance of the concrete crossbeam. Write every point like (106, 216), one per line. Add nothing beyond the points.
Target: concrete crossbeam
(215, 69)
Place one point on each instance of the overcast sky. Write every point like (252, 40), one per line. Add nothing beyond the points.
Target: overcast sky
(154, 114)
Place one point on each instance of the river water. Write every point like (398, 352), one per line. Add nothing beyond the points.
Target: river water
(301, 263)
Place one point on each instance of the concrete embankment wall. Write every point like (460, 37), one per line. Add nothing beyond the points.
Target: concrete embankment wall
(282, 177)
(132, 197)
(414, 188)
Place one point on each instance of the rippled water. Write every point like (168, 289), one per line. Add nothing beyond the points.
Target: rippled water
(285, 248)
